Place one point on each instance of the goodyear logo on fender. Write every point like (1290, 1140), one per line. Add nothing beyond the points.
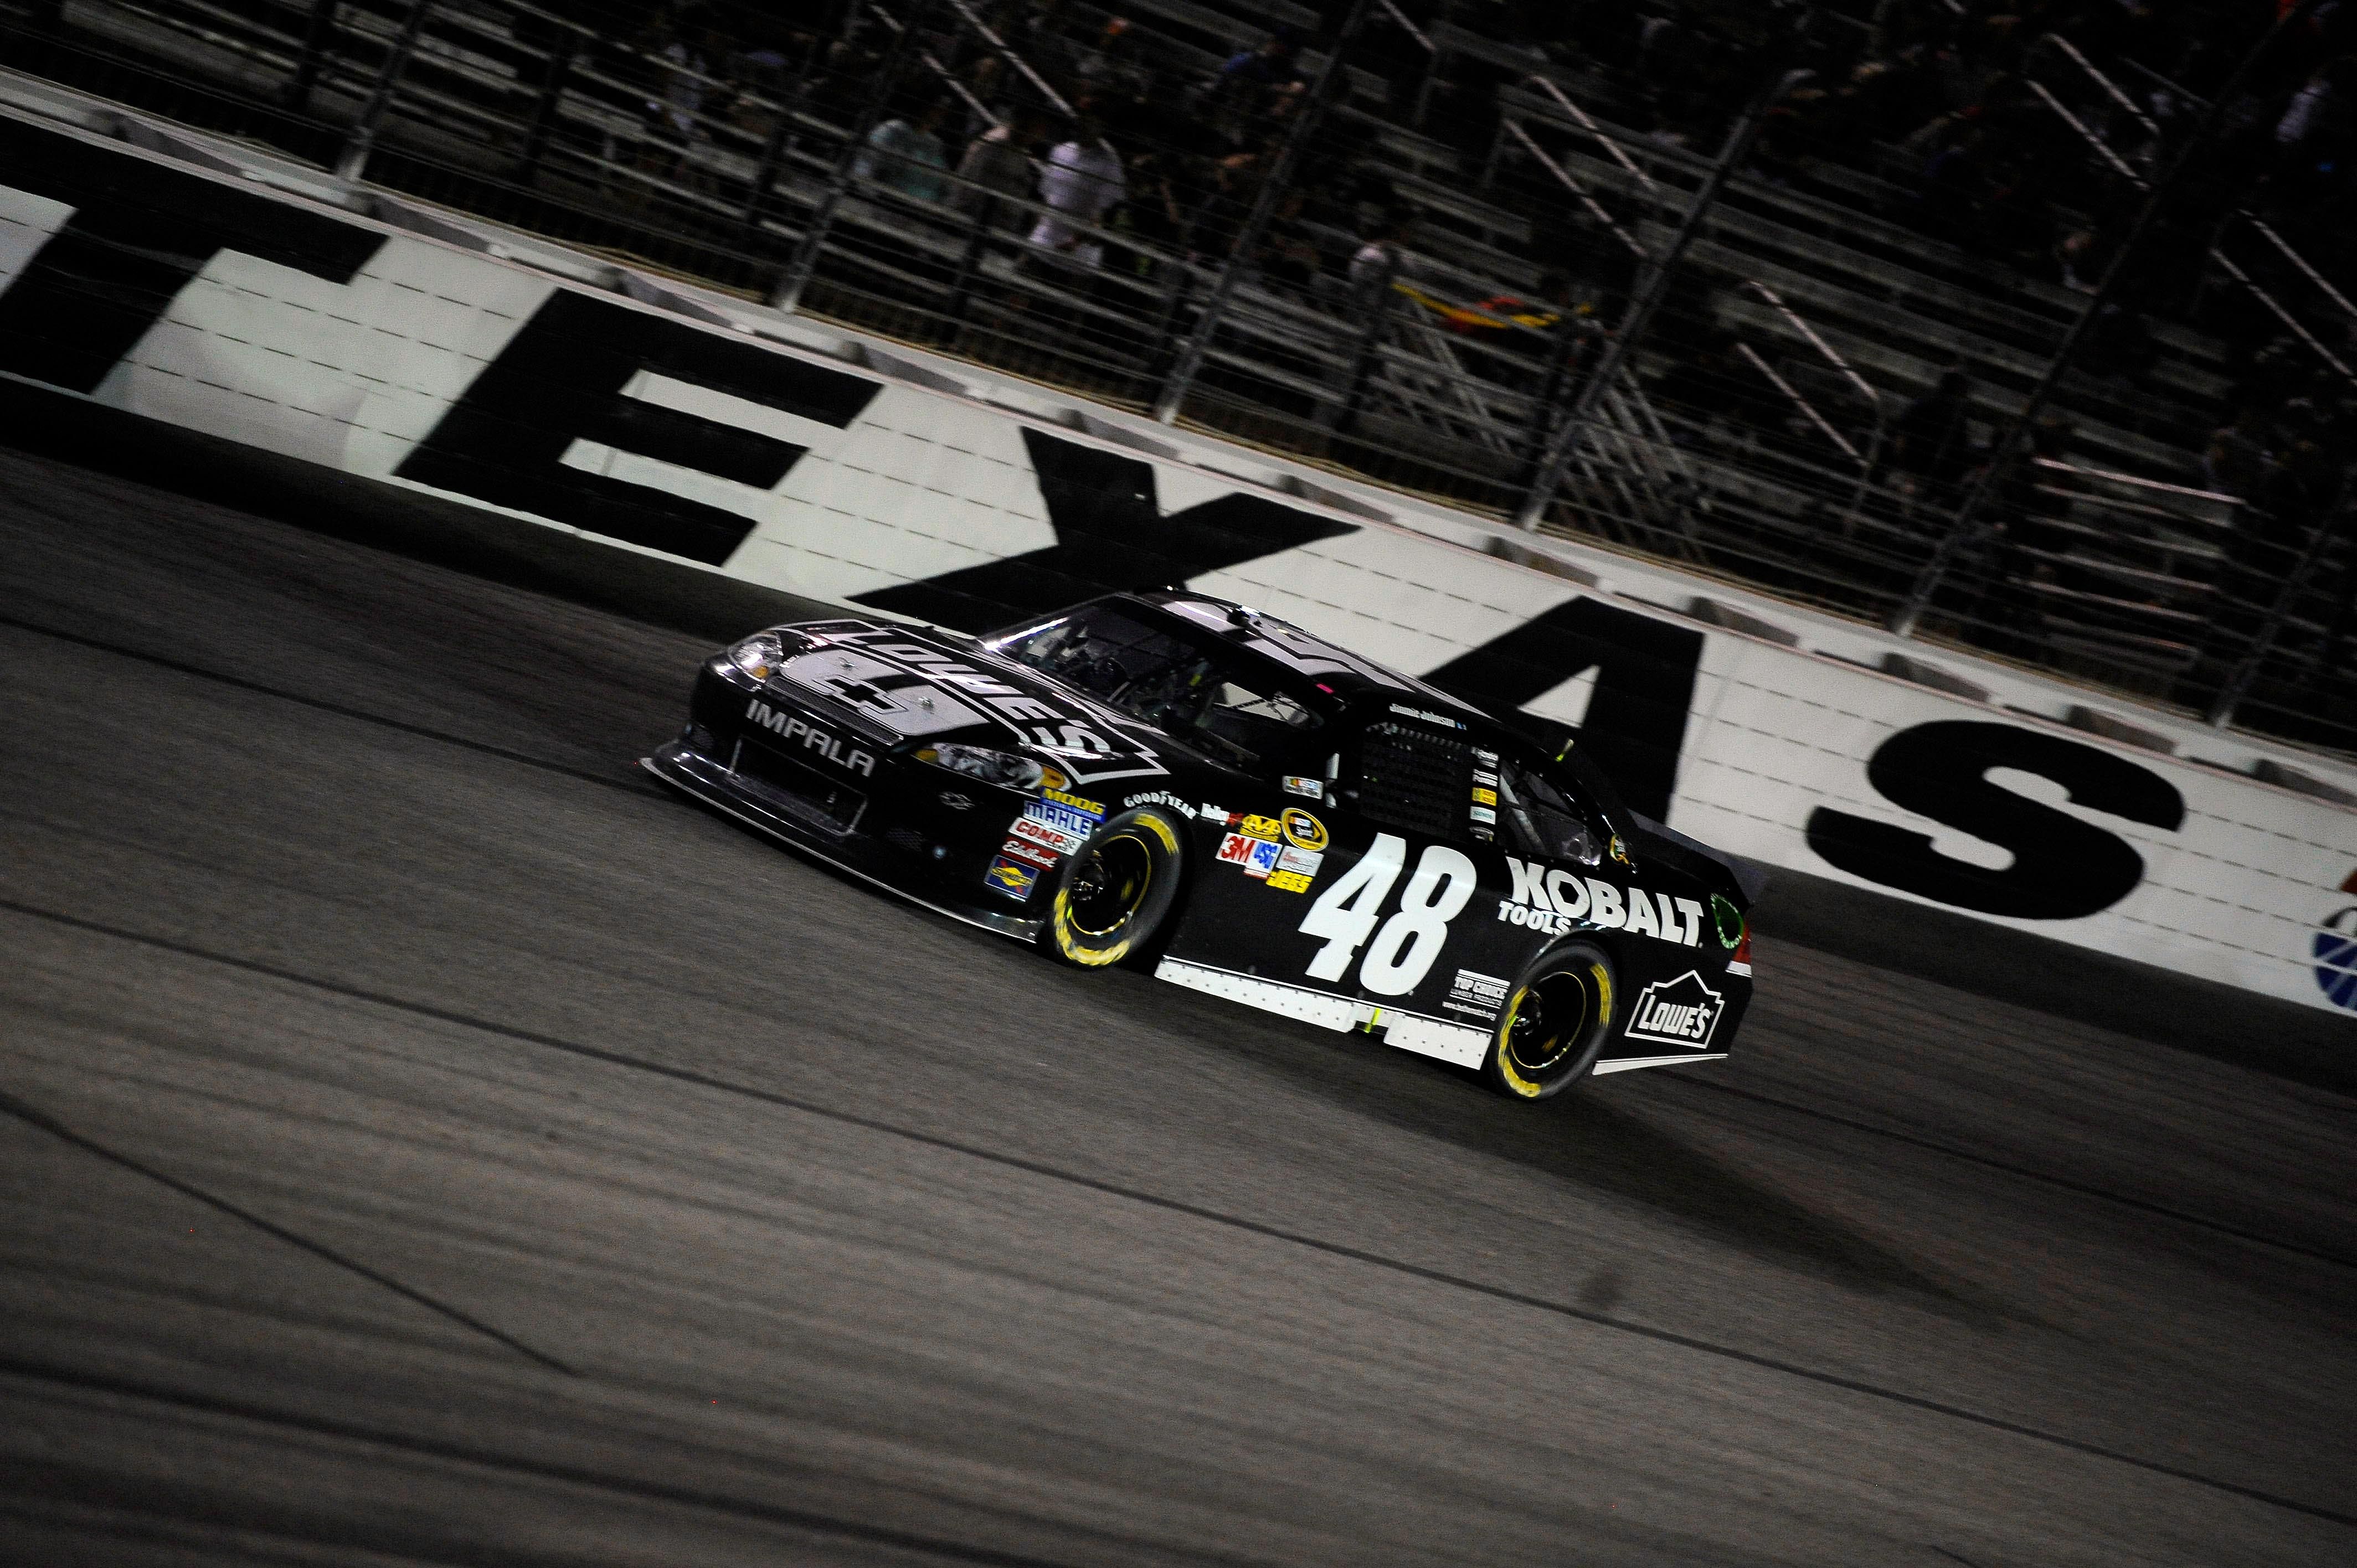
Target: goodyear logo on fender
(1303, 830)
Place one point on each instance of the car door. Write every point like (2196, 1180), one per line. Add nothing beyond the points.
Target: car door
(1356, 888)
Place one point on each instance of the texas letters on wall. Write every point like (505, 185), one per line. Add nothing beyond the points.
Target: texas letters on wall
(223, 306)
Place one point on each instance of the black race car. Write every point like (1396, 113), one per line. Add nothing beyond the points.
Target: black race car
(1173, 779)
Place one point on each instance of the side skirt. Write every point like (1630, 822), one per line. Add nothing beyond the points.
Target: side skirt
(1452, 1043)
(1628, 1064)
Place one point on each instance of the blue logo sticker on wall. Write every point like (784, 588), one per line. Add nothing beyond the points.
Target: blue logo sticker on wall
(2336, 957)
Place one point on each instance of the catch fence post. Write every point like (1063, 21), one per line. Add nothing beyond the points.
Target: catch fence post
(1740, 139)
(354, 162)
(787, 297)
(552, 93)
(2246, 672)
(2009, 447)
(1263, 207)
(316, 38)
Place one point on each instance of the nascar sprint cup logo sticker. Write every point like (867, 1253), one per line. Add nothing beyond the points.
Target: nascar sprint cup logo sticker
(1680, 1013)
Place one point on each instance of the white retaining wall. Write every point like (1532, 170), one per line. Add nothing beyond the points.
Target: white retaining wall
(382, 351)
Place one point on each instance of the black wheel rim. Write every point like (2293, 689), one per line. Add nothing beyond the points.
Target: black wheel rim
(1548, 1028)
(1109, 886)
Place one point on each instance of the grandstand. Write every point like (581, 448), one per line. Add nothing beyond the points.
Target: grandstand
(1416, 266)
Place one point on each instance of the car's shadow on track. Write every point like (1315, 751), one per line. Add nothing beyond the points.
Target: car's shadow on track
(1601, 1138)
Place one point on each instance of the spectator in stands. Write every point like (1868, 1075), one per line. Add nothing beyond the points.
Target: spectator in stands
(997, 164)
(2235, 459)
(1930, 441)
(905, 154)
(1249, 88)
(1082, 181)
(1381, 258)
(1116, 71)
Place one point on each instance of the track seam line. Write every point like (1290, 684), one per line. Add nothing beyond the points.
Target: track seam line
(1177, 1205)
(622, 780)
(33, 1116)
(488, 1459)
(1989, 1162)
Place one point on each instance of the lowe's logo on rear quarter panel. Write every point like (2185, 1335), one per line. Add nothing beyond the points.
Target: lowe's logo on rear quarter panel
(1682, 1012)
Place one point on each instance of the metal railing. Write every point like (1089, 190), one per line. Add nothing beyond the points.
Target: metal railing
(1801, 450)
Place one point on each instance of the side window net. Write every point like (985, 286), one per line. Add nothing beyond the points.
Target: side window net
(1414, 780)
(1546, 824)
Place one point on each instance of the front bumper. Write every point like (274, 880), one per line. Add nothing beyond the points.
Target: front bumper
(893, 823)
(901, 862)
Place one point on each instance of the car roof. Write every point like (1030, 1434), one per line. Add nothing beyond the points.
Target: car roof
(1351, 677)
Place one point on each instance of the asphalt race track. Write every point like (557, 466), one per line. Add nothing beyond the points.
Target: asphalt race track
(424, 1141)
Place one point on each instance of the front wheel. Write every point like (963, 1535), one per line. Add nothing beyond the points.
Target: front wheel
(1116, 894)
(1553, 1026)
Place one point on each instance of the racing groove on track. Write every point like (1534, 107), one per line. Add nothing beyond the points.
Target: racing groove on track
(424, 1141)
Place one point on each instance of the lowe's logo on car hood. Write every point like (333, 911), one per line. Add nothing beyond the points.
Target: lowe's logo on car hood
(1682, 1012)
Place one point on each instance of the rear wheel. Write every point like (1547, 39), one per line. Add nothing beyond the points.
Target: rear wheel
(1116, 894)
(1553, 1026)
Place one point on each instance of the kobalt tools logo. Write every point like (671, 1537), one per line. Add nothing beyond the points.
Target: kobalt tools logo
(787, 727)
(1560, 902)
(1681, 1012)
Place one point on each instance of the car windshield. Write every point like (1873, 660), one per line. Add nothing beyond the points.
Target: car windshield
(1201, 695)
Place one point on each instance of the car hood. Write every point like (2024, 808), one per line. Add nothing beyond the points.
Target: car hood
(913, 683)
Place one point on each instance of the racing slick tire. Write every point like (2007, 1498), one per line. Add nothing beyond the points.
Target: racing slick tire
(1554, 1023)
(1116, 894)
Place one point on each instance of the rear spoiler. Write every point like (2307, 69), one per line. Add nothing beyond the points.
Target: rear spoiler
(1673, 845)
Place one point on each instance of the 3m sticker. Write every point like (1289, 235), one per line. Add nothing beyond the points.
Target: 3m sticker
(1236, 849)
(1289, 881)
(1011, 877)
